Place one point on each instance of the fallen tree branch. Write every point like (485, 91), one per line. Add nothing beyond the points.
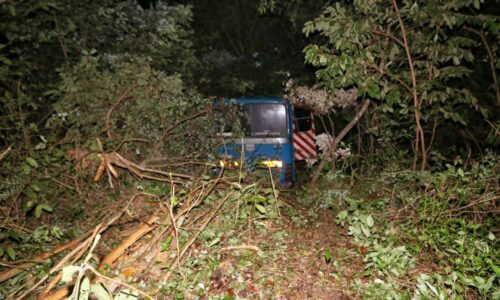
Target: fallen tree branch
(79, 244)
(80, 250)
(338, 138)
(59, 294)
(113, 158)
(193, 238)
(42, 257)
(140, 231)
(185, 209)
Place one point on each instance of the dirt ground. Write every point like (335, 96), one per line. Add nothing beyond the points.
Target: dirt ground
(296, 263)
(312, 275)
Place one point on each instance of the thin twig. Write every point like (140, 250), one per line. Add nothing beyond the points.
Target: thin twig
(5, 153)
(174, 225)
(129, 140)
(473, 204)
(274, 192)
(390, 36)
(62, 184)
(120, 99)
(241, 247)
(156, 147)
(382, 72)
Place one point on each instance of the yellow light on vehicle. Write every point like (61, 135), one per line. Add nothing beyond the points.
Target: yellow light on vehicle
(228, 164)
(273, 163)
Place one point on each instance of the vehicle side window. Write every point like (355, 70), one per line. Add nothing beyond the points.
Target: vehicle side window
(303, 121)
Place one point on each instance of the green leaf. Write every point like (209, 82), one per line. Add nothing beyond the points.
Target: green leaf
(166, 244)
(11, 253)
(214, 242)
(342, 214)
(12, 10)
(46, 207)
(173, 201)
(477, 4)
(28, 205)
(328, 256)
(38, 211)
(32, 162)
(433, 289)
(260, 208)
(366, 231)
(100, 292)
(14, 235)
(68, 272)
(494, 267)
(5, 60)
(394, 52)
(84, 289)
(26, 169)
(35, 187)
(236, 186)
(369, 221)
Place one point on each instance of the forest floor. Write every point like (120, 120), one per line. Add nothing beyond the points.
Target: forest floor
(231, 240)
(301, 254)
(293, 261)
(319, 259)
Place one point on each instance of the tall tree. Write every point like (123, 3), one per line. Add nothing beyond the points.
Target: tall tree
(413, 57)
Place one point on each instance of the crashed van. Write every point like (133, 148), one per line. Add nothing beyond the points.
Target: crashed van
(263, 133)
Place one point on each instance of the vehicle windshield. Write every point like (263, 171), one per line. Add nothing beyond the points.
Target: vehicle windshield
(258, 120)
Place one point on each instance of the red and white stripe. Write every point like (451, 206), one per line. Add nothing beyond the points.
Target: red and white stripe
(304, 143)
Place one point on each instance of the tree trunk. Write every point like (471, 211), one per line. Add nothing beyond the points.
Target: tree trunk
(339, 138)
(417, 102)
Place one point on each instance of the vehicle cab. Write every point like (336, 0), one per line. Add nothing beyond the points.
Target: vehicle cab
(264, 139)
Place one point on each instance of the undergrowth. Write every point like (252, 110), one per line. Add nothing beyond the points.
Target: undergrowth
(427, 235)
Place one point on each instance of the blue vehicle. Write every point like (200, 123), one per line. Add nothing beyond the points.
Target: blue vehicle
(265, 139)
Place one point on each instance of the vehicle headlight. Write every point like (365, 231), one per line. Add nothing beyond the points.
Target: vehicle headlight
(228, 164)
(272, 163)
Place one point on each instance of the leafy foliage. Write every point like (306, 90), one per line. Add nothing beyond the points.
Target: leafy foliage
(43, 36)
(362, 47)
(88, 76)
(448, 220)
